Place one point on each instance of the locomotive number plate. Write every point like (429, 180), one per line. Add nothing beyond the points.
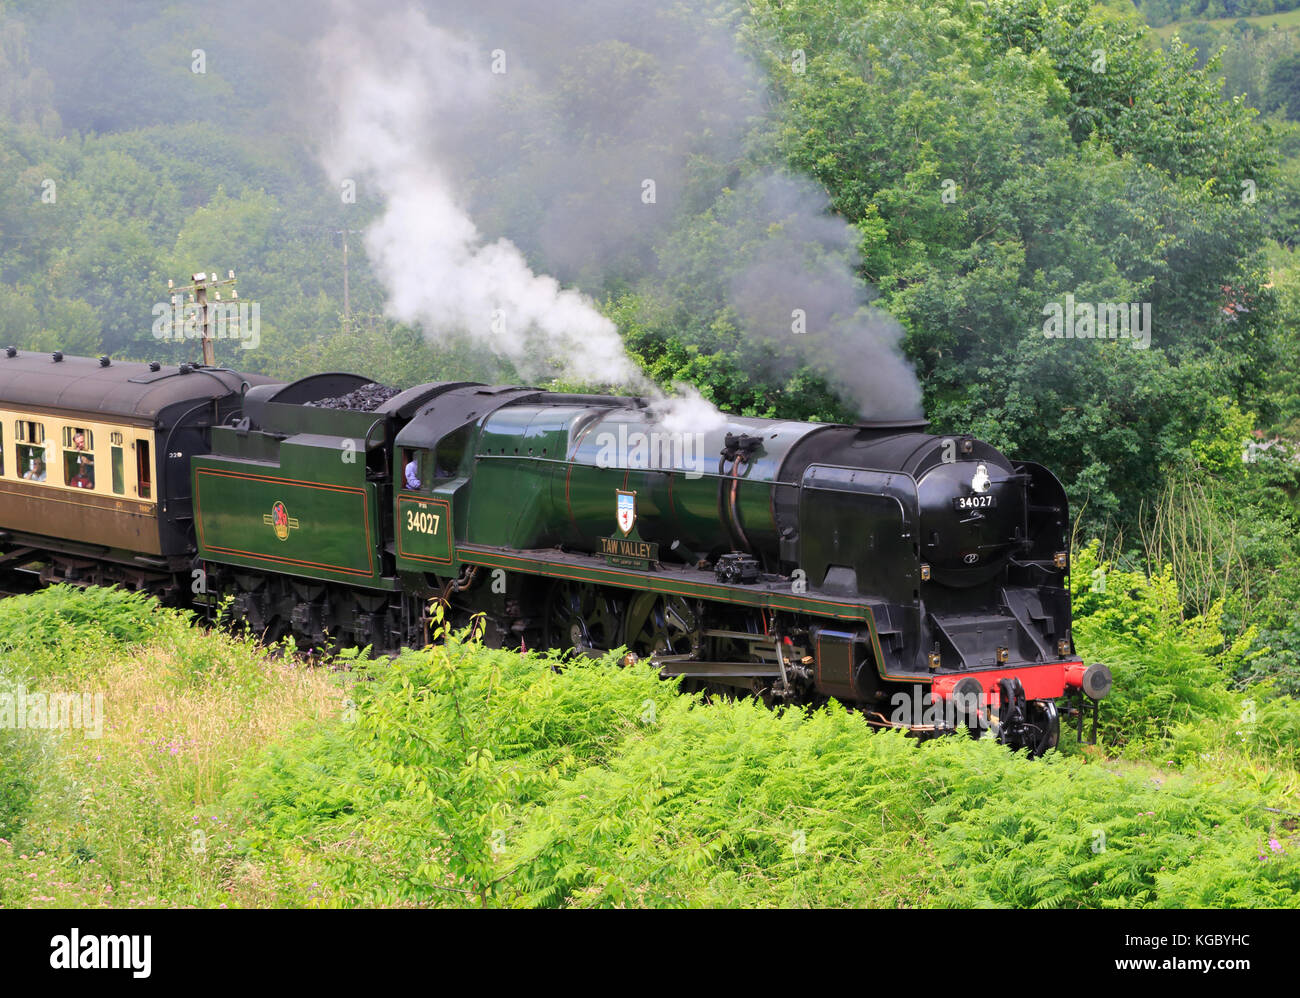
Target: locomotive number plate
(974, 502)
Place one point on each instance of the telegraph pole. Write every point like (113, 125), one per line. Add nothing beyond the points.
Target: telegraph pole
(198, 292)
(347, 299)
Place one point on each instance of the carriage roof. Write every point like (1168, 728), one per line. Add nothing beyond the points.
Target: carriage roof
(120, 389)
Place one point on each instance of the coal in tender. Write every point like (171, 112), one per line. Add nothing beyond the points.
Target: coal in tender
(367, 398)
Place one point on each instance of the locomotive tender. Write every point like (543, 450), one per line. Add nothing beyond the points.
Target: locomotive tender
(920, 578)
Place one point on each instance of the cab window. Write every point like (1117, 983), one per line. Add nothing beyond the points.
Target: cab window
(449, 455)
(412, 471)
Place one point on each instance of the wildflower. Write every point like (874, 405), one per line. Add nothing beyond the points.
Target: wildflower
(1275, 845)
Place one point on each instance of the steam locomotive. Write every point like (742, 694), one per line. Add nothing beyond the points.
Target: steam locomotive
(920, 578)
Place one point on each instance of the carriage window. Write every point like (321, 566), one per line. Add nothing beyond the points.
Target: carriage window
(29, 437)
(144, 471)
(2, 450)
(78, 438)
(78, 461)
(119, 472)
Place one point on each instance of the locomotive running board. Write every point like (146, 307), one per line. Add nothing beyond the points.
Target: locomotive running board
(680, 580)
(698, 669)
(689, 581)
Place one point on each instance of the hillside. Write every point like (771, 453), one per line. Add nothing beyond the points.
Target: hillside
(227, 775)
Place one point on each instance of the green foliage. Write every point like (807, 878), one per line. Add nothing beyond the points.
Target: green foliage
(1218, 444)
(49, 630)
(480, 777)
(121, 809)
(22, 762)
(732, 804)
(461, 775)
(1170, 668)
(427, 771)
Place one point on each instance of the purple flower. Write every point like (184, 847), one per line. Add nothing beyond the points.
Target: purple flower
(1275, 845)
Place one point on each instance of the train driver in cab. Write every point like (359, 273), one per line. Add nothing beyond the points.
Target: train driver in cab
(412, 471)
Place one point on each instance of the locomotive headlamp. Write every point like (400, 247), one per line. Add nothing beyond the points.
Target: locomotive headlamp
(1004, 655)
(1063, 648)
(981, 482)
(1060, 559)
(925, 573)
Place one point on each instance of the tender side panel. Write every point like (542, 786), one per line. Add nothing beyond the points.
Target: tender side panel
(257, 517)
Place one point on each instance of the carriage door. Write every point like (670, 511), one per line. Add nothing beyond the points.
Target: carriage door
(143, 470)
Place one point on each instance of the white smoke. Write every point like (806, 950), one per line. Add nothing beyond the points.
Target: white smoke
(391, 85)
(687, 412)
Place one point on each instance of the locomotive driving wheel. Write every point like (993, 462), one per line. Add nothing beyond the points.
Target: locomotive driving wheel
(584, 618)
(669, 628)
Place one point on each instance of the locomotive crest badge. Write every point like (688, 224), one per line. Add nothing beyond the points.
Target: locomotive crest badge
(626, 516)
(626, 549)
(280, 521)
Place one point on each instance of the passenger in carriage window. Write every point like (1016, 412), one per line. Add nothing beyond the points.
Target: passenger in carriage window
(78, 461)
(36, 472)
(85, 476)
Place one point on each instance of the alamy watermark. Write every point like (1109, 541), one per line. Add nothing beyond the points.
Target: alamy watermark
(23, 710)
(920, 708)
(658, 450)
(227, 320)
(1103, 321)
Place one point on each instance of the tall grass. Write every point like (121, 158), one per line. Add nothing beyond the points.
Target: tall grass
(131, 817)
(1185, 530)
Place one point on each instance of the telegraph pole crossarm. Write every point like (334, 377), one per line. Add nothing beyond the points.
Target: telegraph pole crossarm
(198, 292)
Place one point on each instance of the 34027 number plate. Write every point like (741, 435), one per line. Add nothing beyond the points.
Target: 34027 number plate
(974, 502)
